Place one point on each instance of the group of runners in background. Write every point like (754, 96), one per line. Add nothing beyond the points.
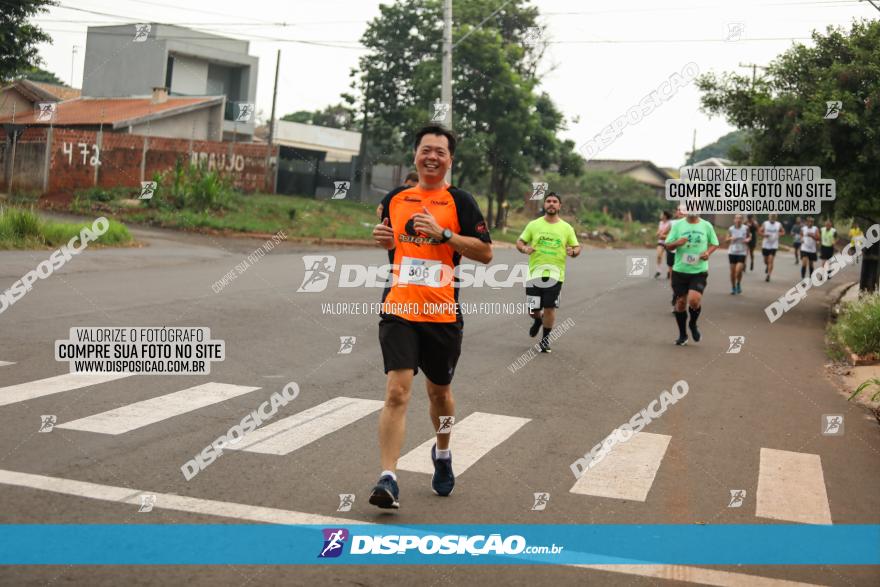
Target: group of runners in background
(427, 224)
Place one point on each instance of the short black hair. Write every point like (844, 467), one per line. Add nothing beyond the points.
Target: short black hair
(412, 176)
(436, 129)
(553, 195)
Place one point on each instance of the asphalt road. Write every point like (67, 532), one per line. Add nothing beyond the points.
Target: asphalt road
(746, 416)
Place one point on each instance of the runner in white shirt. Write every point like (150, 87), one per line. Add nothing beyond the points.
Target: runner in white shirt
(738, 239)
(809, 238)
(662, 230)
(771, 230)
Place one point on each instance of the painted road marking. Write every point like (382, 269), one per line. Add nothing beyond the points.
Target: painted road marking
(165, 500)
(628, 470)
(696, 575)
(42, 387)
(210, 507)
(294, 432)
(472, 439)
(791, 487)
(144, 413)
(6, 363)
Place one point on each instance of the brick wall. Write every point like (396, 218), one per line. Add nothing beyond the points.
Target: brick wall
(84, 158)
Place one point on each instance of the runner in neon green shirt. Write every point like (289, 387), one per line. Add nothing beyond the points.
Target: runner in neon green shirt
(547, 241)
(693, 240)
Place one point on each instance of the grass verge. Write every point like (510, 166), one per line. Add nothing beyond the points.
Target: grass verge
(21, 228)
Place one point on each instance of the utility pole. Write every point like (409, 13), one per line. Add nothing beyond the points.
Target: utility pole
(362, 151)
(73, 53)
(754, 67)
(274, 99)
(272, 123)
(446, 87)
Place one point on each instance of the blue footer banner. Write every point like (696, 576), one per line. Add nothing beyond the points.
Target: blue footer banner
(359, 544)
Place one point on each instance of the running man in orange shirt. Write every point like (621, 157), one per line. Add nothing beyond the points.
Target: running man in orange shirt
(426, 230)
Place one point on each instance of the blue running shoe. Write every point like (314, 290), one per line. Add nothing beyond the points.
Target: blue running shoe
(385, 493)
(443, 480)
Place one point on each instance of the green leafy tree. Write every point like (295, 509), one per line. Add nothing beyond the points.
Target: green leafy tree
(731, 146)
(784, 113)
(19, 38)
(37, 74)
(508, 130)
(335, 116)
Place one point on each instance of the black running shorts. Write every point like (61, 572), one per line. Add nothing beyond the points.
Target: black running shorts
(670, 258)
(683, 282)
(432, 346)
(734, 259)
(809, 255)
(768, 252)
(543, 297)
(826, 252)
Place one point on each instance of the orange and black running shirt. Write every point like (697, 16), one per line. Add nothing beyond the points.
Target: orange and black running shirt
(423, 285)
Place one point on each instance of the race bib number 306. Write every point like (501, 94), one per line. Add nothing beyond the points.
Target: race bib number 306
(425, 272)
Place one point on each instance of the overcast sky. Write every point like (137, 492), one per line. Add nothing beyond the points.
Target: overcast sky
(601, 59)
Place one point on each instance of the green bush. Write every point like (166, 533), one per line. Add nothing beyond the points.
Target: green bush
(102, 194)
(193, 187)
(59, 233)
(19, 224)
(858, 326)
(22, 228)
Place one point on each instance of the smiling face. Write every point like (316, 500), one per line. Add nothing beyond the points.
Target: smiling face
(432, 158)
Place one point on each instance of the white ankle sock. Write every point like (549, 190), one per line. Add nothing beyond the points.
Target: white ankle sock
(389, 473)
(444, 454)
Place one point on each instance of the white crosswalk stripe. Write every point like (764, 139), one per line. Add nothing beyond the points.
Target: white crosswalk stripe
(628, 469)
(42, 387)
(791, 487)
(6, 363)
(294, 432)
(140, 414)
(472, 439)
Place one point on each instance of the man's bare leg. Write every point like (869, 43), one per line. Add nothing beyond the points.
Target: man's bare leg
(442, 404)
(392, 420)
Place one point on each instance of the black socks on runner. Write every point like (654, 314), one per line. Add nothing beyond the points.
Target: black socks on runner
(547, 332)
(694, 315)
(681, 319)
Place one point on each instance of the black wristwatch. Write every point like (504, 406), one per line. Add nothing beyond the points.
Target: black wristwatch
(447, 234)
